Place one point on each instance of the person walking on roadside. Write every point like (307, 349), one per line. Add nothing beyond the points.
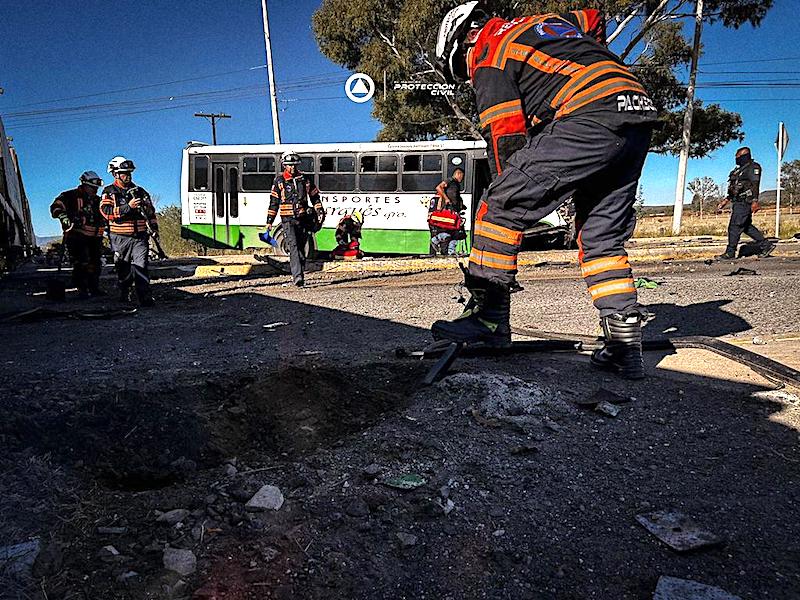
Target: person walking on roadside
(132, 219)
(292, 191)
(78, 210)
(561, 116)
(743, 189)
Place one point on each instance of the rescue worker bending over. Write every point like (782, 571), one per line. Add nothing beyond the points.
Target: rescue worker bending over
(291, 193)
(743, 183)
(348, 236)
(83, 226)
(131, 216)
(561, 115)
(448, 197)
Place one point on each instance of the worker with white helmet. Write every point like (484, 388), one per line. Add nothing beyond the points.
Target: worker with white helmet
(78, 210)
(132, 219)
(296, 198)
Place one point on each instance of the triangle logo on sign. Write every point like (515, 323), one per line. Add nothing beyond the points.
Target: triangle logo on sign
(360, 87)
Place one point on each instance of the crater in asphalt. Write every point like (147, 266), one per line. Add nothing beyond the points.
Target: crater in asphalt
(138, 441)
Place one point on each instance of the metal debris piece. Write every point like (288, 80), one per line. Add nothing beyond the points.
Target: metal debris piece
(440, 368)
(608, 409)
(274, 326)
(742, 271)
(677, 531)
(409, 481)
(672, 588)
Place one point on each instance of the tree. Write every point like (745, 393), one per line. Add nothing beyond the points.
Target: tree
(398, 37)
(638, 206)
(790, 181)
(704, 191)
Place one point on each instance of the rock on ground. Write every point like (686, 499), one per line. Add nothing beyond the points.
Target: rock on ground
(183, 562)
(268, 497)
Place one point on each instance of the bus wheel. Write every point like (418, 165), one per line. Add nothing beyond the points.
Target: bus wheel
(282, 250)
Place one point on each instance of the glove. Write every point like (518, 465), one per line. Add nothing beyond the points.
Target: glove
(66, 222)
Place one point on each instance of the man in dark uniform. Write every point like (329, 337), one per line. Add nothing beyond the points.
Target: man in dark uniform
(291, 193)
(562, 116)
(131, 216)
(743, 184)
(83, 225)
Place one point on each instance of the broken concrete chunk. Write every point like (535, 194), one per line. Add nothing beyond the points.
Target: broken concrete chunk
(108, 554)
(672, 588)
(407, 539)
(18, 559)
(183, 562)
(608, 409)
(171, 517)
(268, 497)
(372, 470)
(677, 530)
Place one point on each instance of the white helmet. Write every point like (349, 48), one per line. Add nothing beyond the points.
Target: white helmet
(91, 178)
(120, 164)
(290, 158)
(451, 33)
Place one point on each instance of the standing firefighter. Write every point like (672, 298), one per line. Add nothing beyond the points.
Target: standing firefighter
(348, 236)
(291, 193)
(83, 225)
(561, 115)
(131, 217)
(743, 183)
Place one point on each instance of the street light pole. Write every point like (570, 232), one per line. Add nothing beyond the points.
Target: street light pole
(276, 128)
(213, 117)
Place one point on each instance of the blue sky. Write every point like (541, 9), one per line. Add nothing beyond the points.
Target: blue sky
(90, 48)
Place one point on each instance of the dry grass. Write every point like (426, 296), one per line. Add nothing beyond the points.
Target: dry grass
(714, 225)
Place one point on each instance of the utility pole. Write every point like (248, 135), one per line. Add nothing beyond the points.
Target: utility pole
(680, 187)
(276, 128)
(213, 117)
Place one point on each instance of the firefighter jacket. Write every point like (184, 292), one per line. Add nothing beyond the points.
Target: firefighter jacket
(744, 181)
(347, 231)
(82, 210)
(290, 197)
(533, 70)
(124, 220)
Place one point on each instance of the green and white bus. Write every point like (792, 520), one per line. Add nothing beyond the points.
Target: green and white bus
(225, 191)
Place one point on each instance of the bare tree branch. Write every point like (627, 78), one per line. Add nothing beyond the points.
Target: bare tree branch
(389, 43)
(651, 20)
(625, 22)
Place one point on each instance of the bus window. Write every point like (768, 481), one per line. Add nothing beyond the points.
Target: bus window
(258, 173)
(307, 164)
(337, 173)
(199, 182)
(378, 174)
(458, 160)
(422, 172)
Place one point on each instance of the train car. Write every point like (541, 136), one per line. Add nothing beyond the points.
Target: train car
(17, 238)
(225, 191)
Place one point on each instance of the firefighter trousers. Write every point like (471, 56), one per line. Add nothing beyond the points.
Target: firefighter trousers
(296, 238)
(85, 253)
(131, 258)
(741, 222)
(599, 168)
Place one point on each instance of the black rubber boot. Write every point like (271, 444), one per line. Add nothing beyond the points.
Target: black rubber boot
(485, 318)
(622, 348)
(766, 249)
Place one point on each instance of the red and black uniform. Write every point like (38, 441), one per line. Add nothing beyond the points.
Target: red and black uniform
(348, 238)
(130, 238)
(84, 225)
(561, 115)
(296, 199)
